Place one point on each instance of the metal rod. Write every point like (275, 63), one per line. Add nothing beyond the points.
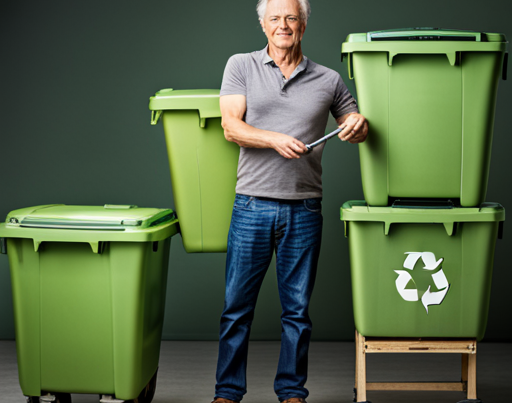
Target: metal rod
(324, 139)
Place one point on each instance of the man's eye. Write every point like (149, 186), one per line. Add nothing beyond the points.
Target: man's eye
(273, 19)
(292, 19)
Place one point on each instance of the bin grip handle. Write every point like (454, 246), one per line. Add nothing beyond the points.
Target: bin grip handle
(452, 57)
(155, 115)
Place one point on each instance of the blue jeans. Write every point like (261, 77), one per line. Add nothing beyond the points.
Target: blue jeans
(293, 229)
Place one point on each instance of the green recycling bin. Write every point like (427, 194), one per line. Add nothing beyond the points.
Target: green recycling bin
(429, 96)
(88, 287)
(421, 272)
(203, 165)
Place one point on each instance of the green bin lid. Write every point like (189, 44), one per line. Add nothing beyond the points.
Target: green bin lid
(426, 34)
(358, 210)
(424, 41)
(92, 224)
(205, 101)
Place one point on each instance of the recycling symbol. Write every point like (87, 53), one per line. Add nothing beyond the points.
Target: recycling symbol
(429, 263)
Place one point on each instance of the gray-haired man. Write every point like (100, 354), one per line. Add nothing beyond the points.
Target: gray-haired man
(273, 102)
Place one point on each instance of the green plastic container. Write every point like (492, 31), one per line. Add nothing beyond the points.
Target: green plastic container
(89, 287)
(429, 96)
(421, 272)
(203, 165)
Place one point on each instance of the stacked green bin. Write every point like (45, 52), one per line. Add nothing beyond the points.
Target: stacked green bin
(422, 243)
(89, 287)
(203, 165)
(429, 96)
(421, 272)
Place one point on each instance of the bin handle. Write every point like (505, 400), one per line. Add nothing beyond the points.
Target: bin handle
(505, 66)
(349, 62)
(448, 226)
(97, 247)
(452, 57)
(155, 115)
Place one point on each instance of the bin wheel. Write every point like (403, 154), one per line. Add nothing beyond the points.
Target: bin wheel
(59, 398)
(147, 394)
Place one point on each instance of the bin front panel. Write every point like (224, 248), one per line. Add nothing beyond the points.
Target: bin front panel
(88, 322)
(425, 127)
(76, 319)
(384, 305)
(203, 168)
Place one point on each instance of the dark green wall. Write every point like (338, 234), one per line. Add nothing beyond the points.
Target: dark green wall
(75, 81)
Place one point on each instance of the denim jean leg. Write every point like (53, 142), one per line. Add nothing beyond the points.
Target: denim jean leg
(250, 248)
(297, 250)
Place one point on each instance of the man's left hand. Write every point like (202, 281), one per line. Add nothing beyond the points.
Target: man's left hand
(356, 128)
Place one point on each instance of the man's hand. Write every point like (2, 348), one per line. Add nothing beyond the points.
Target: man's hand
(356, 128)
(287, 146)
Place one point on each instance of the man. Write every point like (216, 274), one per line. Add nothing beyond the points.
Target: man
(273, 102)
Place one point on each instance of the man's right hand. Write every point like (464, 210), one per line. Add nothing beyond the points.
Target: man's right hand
(287, 146)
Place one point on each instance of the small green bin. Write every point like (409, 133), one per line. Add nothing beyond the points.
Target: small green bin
(203, 165)
(88, 287)
(429, 96)
(421, 272)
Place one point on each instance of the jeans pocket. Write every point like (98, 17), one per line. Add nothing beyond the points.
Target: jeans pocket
(313, 205)
(243, 202)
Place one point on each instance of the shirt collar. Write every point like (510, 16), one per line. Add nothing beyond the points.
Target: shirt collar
(266, 59)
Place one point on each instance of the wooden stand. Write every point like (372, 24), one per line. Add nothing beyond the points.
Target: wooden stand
(366, 345)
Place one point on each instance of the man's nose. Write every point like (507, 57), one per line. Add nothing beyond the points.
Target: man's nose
(283, 24)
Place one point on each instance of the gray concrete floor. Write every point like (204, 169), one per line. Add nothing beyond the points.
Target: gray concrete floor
(187, 373)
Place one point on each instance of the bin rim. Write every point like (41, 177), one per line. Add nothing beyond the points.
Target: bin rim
(358, 210)
(425, 35)
(358, 43)
(206, 101)
(49, 223)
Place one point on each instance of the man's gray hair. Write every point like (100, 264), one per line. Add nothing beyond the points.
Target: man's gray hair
(305, 9)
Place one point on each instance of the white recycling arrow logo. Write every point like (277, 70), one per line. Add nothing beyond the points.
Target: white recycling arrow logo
(430, 263)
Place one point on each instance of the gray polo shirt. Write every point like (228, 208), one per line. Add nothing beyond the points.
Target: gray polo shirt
(298, 107)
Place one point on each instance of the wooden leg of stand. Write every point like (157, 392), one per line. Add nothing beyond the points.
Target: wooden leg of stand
(464, 371)
(360, 369)
(472, 376)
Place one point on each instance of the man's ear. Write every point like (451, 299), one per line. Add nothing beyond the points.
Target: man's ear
(262, 26)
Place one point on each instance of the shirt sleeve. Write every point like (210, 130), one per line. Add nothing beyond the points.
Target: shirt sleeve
(343, 101)
(234, 81)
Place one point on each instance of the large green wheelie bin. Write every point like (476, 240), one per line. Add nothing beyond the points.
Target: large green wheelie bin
(88, 287)
(429, 96)
(203, 165)
(419, 271)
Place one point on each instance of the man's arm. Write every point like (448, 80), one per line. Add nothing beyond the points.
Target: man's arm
(356, 128)
(232, 108)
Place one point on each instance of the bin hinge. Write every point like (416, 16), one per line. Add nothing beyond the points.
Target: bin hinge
(3, 246)
(110, 399)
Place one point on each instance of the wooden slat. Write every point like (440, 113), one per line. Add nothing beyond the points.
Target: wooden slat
(443, 386)
(420, 346)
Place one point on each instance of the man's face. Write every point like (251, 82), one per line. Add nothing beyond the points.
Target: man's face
(282, 24)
